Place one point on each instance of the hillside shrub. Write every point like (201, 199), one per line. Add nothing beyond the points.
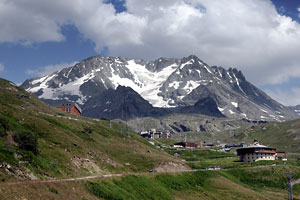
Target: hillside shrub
(27, 141)
(2, 131)
(3, 126)
(6, 155)
(87, 130)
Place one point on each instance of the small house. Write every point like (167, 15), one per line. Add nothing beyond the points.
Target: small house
(71, 108)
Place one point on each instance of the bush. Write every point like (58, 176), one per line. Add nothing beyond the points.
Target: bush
(87, 130)
(27, 141)
(3, 126)
(2, 131)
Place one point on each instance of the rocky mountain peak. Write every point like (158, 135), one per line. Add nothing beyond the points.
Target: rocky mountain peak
(166, 83)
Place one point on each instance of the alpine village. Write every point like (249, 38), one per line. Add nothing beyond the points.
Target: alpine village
(121, 123)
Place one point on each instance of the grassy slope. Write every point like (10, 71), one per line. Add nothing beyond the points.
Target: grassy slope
(253, 183)
(281, 135)
(67, 147)
(264, 184)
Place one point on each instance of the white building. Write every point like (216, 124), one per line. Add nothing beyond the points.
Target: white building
(256, 152)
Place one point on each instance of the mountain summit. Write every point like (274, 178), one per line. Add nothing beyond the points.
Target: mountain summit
(161, 86)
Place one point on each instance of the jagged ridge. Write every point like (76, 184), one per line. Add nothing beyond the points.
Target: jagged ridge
(164, 83)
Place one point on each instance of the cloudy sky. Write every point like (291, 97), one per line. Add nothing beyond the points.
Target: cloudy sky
(259, 37)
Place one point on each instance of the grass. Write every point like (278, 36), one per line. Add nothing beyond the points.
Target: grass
(164, 141)
(232, 184)
(162, 186)
(206, 158)
(261, 179)
(211, 158)
(67, 146)
(201, 154)
(53, 190)
(283, 136)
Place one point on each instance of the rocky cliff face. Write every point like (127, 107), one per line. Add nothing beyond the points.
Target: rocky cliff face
(296, 109)
(157, 88)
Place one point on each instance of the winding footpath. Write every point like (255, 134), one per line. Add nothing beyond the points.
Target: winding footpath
(86, 178)
(24, 182)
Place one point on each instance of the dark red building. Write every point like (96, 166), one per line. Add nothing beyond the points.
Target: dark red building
(71, 108)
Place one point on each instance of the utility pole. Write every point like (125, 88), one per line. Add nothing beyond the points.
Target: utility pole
(289, 176)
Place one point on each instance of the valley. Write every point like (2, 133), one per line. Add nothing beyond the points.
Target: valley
(149, 100)
(82, 158)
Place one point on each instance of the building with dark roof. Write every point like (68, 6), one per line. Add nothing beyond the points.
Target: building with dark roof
(256, 152)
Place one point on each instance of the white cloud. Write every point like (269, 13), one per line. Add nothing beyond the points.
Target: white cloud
(249, 35)
(42, 71)
(1, 67)
(19, 23)
(290, 97)
(299, 12)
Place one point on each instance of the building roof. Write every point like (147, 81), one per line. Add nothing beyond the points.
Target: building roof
(256, 147)
(256, 144)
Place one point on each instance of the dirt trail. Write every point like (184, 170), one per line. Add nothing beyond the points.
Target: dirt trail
(84, 178)
(119, 175)
(60, 180)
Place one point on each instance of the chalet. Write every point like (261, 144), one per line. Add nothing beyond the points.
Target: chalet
(256, 152)
(71, 108)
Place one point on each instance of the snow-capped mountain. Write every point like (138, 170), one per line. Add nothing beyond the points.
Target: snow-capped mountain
(167, 83)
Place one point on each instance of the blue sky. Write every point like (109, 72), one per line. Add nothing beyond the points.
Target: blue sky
(259, 37)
